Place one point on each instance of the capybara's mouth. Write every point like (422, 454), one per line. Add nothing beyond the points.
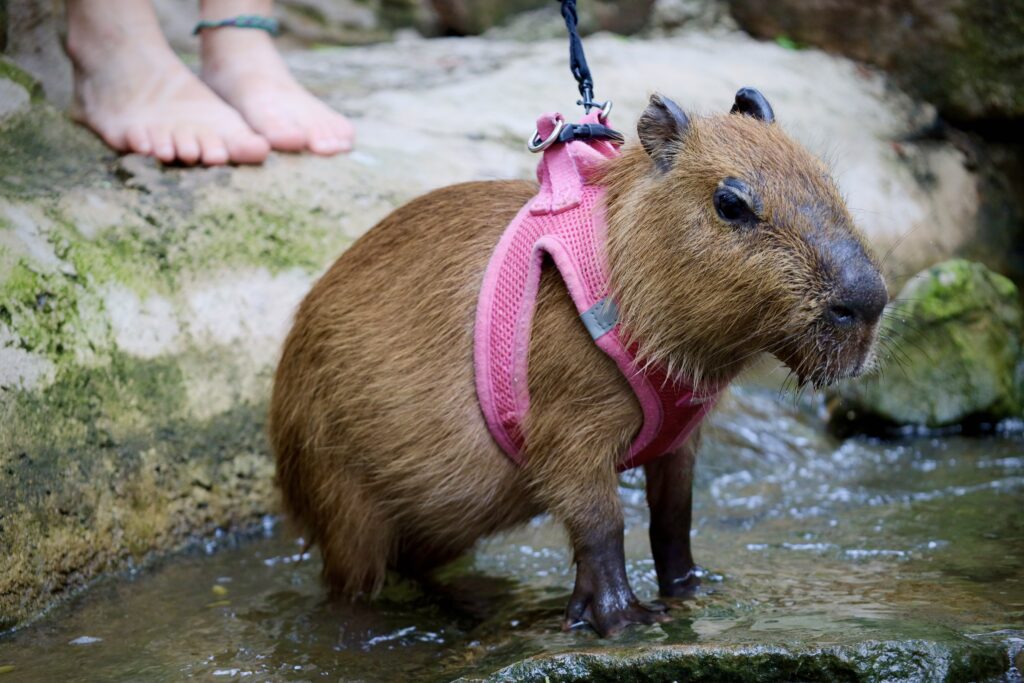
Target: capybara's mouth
(821, 360)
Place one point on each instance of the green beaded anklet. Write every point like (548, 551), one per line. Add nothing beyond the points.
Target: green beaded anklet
(268, 24)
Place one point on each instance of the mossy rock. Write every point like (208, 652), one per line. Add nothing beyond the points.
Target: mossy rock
(909, 661)
(476, 16)
(950, 353)
(962, 55)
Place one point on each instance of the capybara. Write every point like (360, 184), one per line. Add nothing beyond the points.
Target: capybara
(725, 240)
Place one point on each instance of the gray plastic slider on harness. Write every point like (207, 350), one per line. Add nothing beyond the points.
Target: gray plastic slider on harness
(600, 318)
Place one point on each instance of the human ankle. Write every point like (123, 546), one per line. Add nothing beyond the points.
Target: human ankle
(99, 32)
(218, 10)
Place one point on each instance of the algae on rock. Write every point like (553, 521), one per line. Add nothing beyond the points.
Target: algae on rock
(951, 351)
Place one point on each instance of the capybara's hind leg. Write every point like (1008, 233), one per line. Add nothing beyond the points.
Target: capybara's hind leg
(356, 540)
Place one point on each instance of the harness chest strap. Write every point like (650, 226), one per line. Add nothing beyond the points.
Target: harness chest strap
(565, 221)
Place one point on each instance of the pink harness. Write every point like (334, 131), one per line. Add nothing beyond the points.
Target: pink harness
(565, 220)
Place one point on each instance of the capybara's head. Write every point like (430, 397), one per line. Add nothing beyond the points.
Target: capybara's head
(728, 239)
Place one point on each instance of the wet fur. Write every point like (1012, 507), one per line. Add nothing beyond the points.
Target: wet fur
(382, 452)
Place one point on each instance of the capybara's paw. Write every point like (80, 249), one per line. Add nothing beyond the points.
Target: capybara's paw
(682, 586)
(610, 616)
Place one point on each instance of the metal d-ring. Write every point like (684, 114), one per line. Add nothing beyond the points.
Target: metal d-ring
(534, 144)
(606, 109)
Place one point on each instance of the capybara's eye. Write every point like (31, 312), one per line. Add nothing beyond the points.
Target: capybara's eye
(736, 203)
(730, 206)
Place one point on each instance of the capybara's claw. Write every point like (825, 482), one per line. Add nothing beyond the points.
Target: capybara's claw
(608, 621)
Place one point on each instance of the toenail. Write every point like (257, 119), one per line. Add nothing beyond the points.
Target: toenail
(326, 144)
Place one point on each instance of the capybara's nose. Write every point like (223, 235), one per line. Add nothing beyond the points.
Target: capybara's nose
(861, 295)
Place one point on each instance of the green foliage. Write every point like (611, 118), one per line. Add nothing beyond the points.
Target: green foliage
(788, 43)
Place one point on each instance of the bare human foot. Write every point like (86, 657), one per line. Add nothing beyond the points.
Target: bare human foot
(243, 67)
(132, 90)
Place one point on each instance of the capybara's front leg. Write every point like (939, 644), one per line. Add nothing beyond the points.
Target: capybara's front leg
(670, 498)
(602, 597)
(577, 432)
(580, 488)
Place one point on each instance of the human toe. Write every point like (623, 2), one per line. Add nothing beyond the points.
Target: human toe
(247, 148)
(186, 145)
(280, 132)
(213, 151)
(343, 131)
(163, 143)
(322, 140)
(137, 140)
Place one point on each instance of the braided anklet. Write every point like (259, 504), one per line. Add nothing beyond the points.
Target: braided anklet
(268, 24)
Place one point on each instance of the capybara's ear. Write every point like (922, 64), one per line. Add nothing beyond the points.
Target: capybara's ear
(661, 127)
(752, 103)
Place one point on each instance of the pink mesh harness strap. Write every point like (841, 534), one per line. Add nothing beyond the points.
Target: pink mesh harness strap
(565, 221)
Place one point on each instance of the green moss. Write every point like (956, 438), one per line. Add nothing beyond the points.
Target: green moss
(44, 153)
(90, 406)
(11, 72)
(278, 238)
(955, 287)
(952, 352)
(156, 252)
(41, 308)
(106, 467)
(138, 264)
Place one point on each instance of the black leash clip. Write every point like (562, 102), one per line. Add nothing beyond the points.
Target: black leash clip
(567, 132)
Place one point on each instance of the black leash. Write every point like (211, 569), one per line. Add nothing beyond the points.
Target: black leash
(581, 72)
(578, 60)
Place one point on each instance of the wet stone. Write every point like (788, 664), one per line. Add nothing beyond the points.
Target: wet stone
(826, 560)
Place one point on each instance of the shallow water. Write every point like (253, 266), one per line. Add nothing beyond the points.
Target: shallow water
(808, 541)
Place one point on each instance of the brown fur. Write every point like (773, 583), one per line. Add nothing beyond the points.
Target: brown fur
(382, 451)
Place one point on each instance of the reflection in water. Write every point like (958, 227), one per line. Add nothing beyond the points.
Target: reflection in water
(808, 540)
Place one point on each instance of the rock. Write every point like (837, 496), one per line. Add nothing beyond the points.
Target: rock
(3, 25)
(471, 17)
(16, 78)
(671, 15)
(952, 353)
(326, 22)
(1000, 240)
(962, 55)
(34, 44)
(142, 307)
(625, 18)
(907, 661)
(337, 22)
(14, 99)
